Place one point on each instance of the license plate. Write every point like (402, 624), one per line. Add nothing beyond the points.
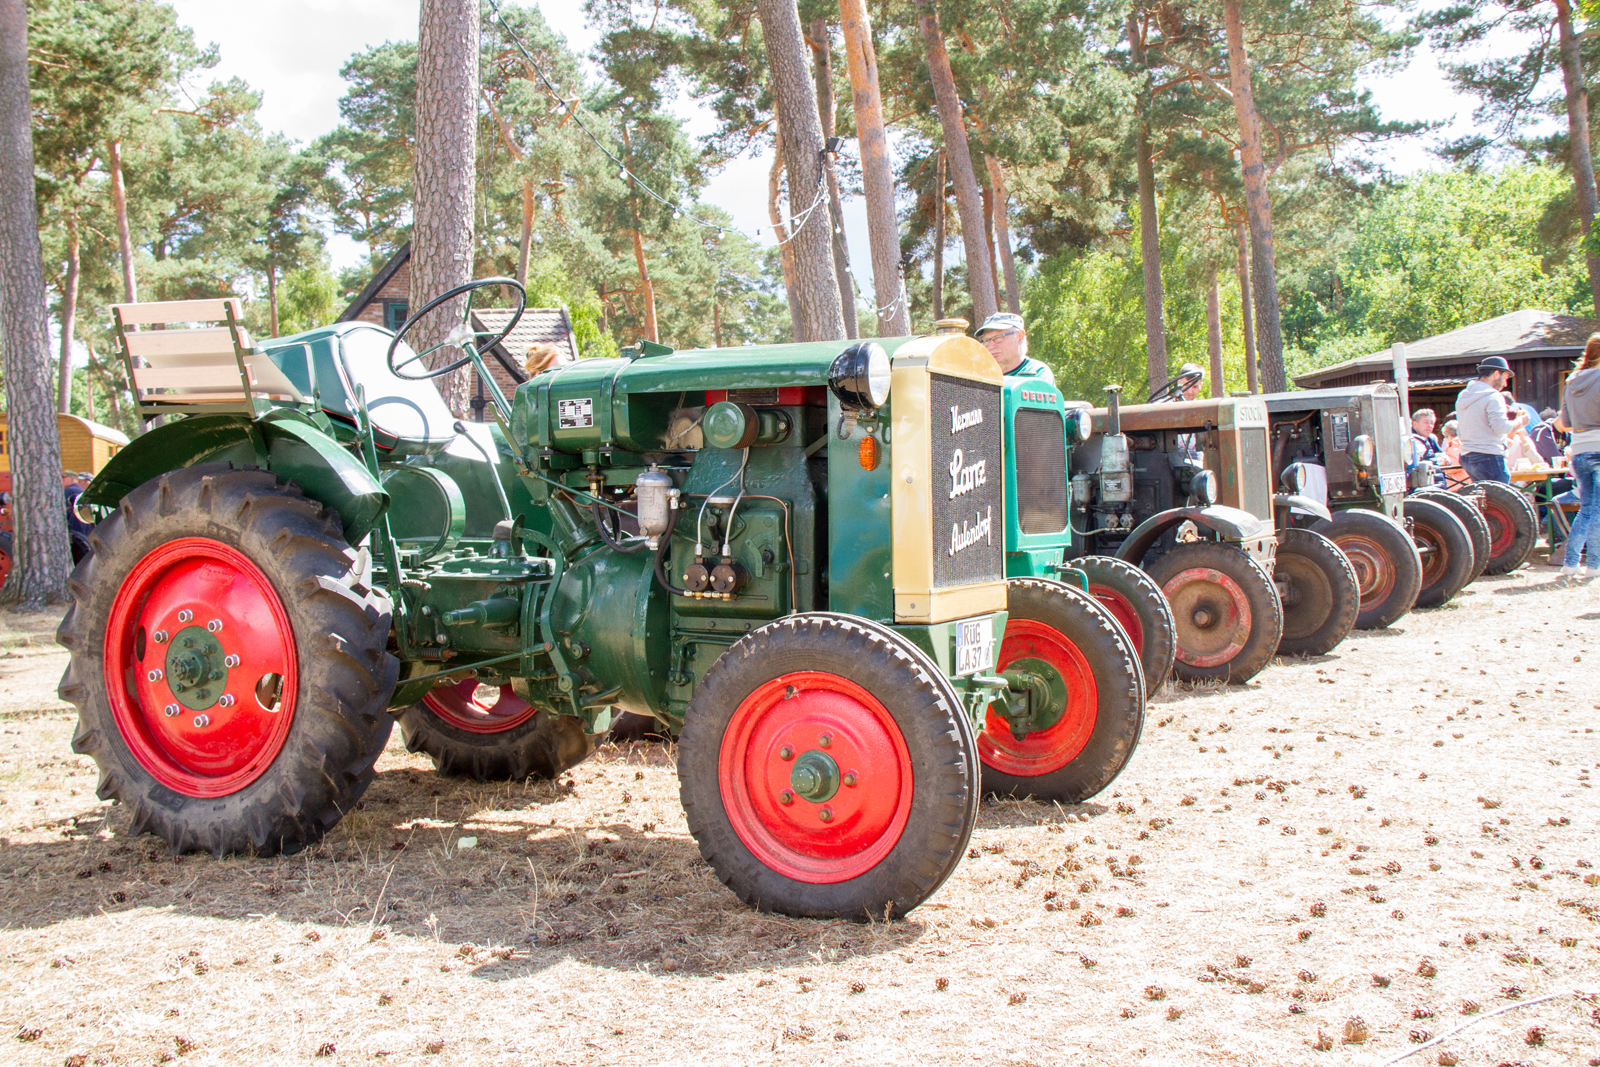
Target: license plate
(1392, 483)
(975, 646)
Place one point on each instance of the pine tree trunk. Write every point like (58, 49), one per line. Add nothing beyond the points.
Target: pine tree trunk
(1258, 206)
(987, 195)
(877, 176)
(1578, 141)
(69, 319)
(647, 288)
(969, 206)
(795, 101)
(40, 555)
(939, 238)
(780, 232)
(820, 40)
(119, 201)
(1246, 314)
(272, 298)
(525, 249)
(1002, 234)
(1214, 330)
(1155, 327)
(446, 166)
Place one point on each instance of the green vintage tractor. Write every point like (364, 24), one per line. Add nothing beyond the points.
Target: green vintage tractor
(792, 556)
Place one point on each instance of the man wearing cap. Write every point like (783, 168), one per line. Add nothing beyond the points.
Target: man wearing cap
(1483, 422)
(1007, 341)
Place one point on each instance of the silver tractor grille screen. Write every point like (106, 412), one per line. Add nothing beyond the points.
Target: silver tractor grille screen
(1040, 457)
(969, 537)
(1255, 476)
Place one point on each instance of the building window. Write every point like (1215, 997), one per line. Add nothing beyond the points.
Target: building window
(394, 313)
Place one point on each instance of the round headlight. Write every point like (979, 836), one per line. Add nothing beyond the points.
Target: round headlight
(859, 376)
(1294, 478)
(1082, 424)
(1204, 486)
(1366, 450)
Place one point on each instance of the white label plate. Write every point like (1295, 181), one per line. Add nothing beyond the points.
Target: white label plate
(974, 646)
(1392, 483)
(574, 414)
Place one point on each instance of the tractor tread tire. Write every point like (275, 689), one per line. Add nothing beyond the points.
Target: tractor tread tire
(1142, 596)
(543, 746)
(1436, 522)
(1266, 609)
(1518, 512)
(341, 629)
(1466, 510)
(1343, 594)
(1397, 547)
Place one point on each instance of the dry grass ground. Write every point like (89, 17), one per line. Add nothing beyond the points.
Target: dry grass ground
(1403, 834)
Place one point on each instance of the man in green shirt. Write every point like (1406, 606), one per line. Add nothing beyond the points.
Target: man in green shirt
(1007, 341)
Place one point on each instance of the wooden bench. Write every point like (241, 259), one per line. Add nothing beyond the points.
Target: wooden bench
(195, 369)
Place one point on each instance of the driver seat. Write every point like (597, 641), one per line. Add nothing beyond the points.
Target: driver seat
(409, 417)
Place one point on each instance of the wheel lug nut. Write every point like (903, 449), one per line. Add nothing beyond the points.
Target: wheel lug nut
(203, 694)
(214, 625)
(160, 637)
(786, 797)
(225, 700)
(216, 676)
(155, 675)
(825, 740)
(185, 615)
(849, 778)
(786, 752)
(825, 813)
(188, 642)
(202, 721)
(170, 710)
(231, 661)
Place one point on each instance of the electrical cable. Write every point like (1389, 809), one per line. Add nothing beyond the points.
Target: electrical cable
(627, 548)
(733, 511)
(699, 549)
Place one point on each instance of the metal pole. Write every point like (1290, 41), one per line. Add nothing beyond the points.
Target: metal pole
(1402, 379)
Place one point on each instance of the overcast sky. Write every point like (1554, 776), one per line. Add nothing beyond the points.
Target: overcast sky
(291, 50)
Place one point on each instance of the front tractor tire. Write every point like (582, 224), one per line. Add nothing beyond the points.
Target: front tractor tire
(1081, 655)
(1513, 526)
(1319, 591)
(491, 734)
(1446, 549)
(228, 662)
(1387, 564)
(1139, 607)
(827, 770)
(1466, 510)
(1229, 617)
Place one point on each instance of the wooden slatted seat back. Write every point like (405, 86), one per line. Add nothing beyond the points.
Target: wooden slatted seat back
(178, 363)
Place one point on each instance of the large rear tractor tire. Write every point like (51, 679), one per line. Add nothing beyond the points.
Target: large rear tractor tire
(1319, 590)
(1079, 654)
(491, 734)
(1386, 562)
(1139, 607)
(1445, 547)
(1465, 509)
(827, 770)
(1229, 618)
(1513, 526)
(228, 662)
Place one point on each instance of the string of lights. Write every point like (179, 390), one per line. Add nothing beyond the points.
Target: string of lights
(797, 221)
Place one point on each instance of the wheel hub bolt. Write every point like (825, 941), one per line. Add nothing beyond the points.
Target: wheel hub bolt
(225, 700)
(155, 675)
(1202, 617)
(160, 637)
(203, 694)
(825, 813)
(850, 778)
(786, 797)
(202, 721)
(170, 710)
(786, 753)
(185, 615)
(825, 740)
(214, 625)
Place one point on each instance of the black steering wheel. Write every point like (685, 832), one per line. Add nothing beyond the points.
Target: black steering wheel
(461, 336)
(1174, 388)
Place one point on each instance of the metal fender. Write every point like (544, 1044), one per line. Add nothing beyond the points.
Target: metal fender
(1230, 524)
(285, 442)
(1304, 503)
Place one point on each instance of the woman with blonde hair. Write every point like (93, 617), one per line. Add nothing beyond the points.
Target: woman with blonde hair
(541, 357)
(1580, 416)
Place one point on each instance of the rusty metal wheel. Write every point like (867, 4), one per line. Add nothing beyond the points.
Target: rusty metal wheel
(1229, 619)
(1386, 562)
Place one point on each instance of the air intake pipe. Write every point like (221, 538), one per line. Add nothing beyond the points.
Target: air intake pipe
(1116, 472)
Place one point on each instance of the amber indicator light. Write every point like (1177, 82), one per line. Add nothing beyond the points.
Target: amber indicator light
(867, 452)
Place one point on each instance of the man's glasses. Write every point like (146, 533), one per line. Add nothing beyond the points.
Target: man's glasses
(994, 336)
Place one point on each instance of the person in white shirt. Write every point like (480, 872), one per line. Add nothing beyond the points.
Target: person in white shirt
(1483, 422)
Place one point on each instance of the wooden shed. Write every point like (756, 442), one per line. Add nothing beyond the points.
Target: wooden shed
(85, 445)
(1539, 345)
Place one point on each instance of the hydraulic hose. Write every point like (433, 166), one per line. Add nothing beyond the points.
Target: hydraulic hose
(661, 571)
(627, 548)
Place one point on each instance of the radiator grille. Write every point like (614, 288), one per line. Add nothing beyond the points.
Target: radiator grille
(968, 500)
(1255, 476)
(1040, 458)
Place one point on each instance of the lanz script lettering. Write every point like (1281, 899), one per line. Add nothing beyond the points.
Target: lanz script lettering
(968, 534)
(963, 478)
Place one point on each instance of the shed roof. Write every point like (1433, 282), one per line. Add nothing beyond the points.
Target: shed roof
(379, 280)
(551, 326)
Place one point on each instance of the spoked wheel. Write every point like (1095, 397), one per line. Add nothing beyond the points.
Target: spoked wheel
(1320, 592)
(827, 769)
(1446, 550)
(1465, 509)
(1229, 619)
(1139, 607)
(1513, 526)
(1077, 677)
(1386, 562)
(228, 662)
(489, 733)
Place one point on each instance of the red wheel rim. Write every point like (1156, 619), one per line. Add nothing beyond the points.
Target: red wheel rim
(1502, 529)
(1437, 556)
(5, 566)
(1121, 609)
(1374, 569)
(1052, 748)
(217, 744)
(787, 720)
(464, 706)
(1212, 615)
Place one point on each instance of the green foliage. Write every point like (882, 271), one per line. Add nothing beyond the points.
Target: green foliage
(307, 298)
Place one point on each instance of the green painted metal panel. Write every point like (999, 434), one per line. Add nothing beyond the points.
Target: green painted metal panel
(860, 520)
